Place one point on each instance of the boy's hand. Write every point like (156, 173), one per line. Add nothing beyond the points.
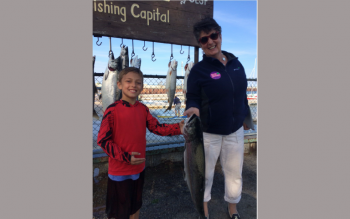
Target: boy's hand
(182, 124)
(245, 127)
(136, 161)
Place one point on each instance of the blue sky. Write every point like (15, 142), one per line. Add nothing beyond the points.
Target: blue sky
(238, 20)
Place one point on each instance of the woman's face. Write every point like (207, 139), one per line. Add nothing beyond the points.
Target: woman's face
(212, 47)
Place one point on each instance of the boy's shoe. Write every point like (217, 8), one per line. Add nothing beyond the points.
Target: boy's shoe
(233, 216)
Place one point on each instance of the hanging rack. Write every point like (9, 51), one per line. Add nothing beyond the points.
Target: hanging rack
(171, 56)
(98, 38)
(144, 44)
(188, 58)
(181, 50)
(132, 54)
(153, 53)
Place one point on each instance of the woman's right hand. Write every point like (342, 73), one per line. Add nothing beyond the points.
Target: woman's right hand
(190, 111)
(136, 161)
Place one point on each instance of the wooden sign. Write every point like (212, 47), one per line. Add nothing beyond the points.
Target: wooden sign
(158, 21)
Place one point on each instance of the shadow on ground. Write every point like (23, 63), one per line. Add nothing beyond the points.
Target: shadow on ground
(166, 194)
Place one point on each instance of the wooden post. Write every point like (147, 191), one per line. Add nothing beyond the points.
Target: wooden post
(196, 51)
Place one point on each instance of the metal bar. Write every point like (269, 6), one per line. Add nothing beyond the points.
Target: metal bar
(196, 52)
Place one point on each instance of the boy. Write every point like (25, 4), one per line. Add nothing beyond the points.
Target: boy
(122, 136)
(177, 103)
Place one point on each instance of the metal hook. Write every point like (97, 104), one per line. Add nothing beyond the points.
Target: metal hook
(144, 44)
(171, 56)
(181, 50)
(110, 47)
(121, 45)
(153, 53)
(188, 58)
(98, 38)
(132, 54)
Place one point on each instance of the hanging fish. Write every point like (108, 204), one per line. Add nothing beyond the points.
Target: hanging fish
(94, 89)
(172, 83)
(109, 88)
(135, 62)
(188, 68)
(124, 57)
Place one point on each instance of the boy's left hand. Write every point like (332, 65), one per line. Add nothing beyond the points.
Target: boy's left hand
(182, 124)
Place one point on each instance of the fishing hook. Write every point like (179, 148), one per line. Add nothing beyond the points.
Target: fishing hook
(144, 44)
(98, 38)
(181, 50)
(121, 45)
(188, 58)
(132, 54)
(171, 56)
(153, 53)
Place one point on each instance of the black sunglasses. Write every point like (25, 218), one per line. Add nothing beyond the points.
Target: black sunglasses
(213, 36)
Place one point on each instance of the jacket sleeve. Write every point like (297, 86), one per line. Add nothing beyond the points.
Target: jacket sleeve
(161, 129)
(193, 94)
(105, 140)
(248, 120)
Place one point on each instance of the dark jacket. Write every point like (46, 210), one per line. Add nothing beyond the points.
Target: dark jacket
(176, 100)
(219, 92)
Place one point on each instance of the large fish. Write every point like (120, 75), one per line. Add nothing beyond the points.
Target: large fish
(94, 89)
(109, 88)
(135, 62)
(188, 68)
(170, 85)
(194, 161)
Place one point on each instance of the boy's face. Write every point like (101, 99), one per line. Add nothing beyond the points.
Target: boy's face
(131, 86)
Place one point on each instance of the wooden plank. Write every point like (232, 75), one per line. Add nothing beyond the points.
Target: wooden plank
(157, 21)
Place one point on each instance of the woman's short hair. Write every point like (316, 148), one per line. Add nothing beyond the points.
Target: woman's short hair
(207, 24)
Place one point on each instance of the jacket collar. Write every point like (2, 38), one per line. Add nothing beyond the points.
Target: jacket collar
(229, 56)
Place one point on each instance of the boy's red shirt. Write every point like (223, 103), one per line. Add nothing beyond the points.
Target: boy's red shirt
(123, 130)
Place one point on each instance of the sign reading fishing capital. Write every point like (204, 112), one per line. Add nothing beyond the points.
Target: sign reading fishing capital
(158, 21)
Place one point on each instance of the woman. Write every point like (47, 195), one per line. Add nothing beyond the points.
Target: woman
(216, 91)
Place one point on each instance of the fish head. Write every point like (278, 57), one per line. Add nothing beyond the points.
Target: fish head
(192, 128)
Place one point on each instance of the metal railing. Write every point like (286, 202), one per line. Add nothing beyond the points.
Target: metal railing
(155, 98)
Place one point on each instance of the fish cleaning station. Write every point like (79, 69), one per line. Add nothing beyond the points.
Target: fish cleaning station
(168, 22)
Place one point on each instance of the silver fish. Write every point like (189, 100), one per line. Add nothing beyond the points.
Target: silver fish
(194, 161)
(188, 68)
(94, 89)
(171, 83)
(109, 89)
(135, 62)
(124, 57)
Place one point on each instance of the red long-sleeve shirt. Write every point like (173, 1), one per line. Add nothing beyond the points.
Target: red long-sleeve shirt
(123, 130)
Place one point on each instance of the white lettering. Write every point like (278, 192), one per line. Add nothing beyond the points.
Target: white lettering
(132, 10)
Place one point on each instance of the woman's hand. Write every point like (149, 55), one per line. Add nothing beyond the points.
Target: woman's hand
(182, 124)
(190, 111)
(136, 161)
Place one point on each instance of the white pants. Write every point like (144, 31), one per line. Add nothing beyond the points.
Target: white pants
(230, 148)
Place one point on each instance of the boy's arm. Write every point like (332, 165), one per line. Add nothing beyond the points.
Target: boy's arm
(105, 140)
(161, 129)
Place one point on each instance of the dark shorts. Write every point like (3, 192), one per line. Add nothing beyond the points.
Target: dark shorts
(124, 198)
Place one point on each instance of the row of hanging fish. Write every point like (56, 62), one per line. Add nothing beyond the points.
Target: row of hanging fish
(188, 68)
(109, 90)
(170, 83)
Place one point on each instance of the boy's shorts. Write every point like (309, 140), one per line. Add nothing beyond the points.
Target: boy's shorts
(177, 106)
(124, 198)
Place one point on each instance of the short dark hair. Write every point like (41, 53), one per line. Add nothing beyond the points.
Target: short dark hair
(207, 24)
(127, 70)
